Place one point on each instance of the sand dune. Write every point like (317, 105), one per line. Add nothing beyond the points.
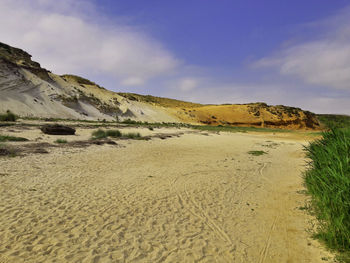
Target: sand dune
(196, 198)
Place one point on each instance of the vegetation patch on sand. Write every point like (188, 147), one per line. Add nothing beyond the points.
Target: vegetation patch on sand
(6, 138)
(101, 134)
(257, 153)
(6, 151)
(132, 135)
(61, 141)
(328, 182)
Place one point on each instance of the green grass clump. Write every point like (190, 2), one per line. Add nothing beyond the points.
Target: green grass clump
(61, 141)
(8, 116)
(6, 138)
(328, 182)
(113, 133)
(99, 134)
(132, 135)
(257, 153)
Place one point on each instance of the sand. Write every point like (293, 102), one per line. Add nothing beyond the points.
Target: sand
(193, 198)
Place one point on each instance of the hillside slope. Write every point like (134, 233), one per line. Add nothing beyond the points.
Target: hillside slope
(32, 91)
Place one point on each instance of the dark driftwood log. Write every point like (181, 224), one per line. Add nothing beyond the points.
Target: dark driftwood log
(57, 130)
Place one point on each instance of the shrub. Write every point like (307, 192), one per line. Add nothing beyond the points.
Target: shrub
(8, 116)
(328, 182)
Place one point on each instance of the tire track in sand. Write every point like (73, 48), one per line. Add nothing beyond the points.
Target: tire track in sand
(264, 251)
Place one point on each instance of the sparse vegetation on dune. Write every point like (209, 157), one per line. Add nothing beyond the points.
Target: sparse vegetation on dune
(334, 121)
(164, 102)
(80, 80)
(328, 183)
(236, 129)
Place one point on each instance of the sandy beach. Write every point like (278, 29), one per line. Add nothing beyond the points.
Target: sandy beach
(199, 197)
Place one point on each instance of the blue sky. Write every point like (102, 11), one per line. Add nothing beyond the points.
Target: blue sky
(222, 33)
(295, 53)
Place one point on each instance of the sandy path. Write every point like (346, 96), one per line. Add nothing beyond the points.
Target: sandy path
(190, 199)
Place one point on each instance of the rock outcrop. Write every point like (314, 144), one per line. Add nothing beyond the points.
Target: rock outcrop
(22, 59)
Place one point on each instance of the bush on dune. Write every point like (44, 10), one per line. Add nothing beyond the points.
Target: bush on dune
(8, 116)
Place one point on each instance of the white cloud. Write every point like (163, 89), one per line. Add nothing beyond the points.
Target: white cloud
(59, 35)
(133, 81)
(326, 105)
(187, 84)
(323, 62)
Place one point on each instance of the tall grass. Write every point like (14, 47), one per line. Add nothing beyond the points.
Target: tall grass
(328, 182)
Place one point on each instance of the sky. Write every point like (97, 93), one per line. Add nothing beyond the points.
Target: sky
(294, 53)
